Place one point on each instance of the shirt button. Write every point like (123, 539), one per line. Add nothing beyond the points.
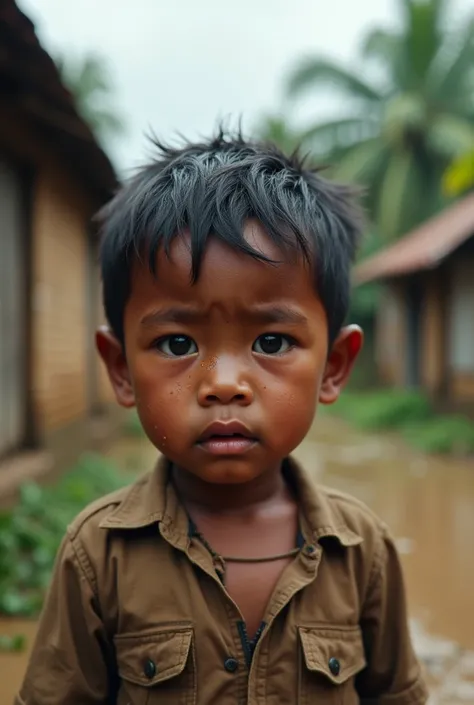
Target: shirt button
(149, 669)
(231, 665)
(334, 666)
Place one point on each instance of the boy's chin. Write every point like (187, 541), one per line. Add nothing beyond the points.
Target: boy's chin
(229, 472)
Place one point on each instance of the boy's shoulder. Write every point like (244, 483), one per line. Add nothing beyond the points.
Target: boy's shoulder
(353, 512)
(335, 513)
(143, 502)
(101, 512)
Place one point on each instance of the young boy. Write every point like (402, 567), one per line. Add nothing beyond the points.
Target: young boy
(226, 576)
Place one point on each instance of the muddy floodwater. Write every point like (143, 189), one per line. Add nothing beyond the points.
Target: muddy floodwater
(428, 504)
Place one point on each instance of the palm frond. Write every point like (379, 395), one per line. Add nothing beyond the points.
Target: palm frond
(362, 162)
(449, 80)
(315, 73)
(385, 47)
(399, 180)
(450, 135)
(422, 37)
(344, 132)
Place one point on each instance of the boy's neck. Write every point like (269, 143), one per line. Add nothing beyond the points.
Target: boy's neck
(266, 489)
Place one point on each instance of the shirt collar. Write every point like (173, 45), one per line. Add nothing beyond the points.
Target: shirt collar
(152, 500)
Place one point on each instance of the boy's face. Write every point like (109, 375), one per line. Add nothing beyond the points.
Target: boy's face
(226, 373)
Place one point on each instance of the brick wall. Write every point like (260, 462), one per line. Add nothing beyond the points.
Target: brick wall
(59, 299)
(61, 357)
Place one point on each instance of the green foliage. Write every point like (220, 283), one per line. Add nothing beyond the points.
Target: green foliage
(365, 299)
(133, 425)
(276, 129)
(89, 80)
(30, 533)
(9, 644)
(383, 409)
(410, 413)
(399, 135)
(442, 434)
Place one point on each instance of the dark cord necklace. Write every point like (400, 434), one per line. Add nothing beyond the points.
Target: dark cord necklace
(239, 559)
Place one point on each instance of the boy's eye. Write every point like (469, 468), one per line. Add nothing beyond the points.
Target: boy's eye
(272, 344)
(177, 346)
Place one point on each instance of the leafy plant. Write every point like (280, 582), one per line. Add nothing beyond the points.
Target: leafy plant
(89, 80)
(277, 130)
(442, 434)
(410, 413)
(399, 133)
(383, 409)
(12, 643)
(30, 533)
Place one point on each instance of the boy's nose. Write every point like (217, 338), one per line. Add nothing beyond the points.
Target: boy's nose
(225, 384)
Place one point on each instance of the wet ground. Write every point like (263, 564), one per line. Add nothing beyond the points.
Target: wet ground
(429, 506)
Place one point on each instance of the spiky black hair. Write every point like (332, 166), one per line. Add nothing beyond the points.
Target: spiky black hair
(212, 188)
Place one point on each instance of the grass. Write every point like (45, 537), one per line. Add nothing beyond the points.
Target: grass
(412, 415)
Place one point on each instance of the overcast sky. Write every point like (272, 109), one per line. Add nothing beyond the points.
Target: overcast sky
(179, 65)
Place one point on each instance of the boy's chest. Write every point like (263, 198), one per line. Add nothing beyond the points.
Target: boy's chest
(250, 585)
(255, 557)
(179, 639)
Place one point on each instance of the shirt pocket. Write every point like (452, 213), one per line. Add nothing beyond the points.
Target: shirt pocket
(156, 667)
(331, 658)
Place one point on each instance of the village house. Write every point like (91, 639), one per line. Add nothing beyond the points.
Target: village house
(53, 178)
(425, 325)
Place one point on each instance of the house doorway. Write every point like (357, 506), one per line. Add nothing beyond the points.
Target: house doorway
(12, 310)
(414, 318)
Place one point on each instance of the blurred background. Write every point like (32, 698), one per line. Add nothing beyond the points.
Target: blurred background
(379, 91)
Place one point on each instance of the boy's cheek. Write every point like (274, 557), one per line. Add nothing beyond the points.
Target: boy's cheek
(163, 413)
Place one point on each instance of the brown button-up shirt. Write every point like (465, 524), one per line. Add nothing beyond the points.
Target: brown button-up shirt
(137, 613)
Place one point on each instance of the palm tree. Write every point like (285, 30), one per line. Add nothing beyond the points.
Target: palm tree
(89, 81)
(277, 130)
(399, 134)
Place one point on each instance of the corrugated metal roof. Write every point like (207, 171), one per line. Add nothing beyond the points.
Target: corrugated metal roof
(30, 82)
(423, 248)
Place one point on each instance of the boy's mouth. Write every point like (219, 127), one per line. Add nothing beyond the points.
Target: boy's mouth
(226, 438)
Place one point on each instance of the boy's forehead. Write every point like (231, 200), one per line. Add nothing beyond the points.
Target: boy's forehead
(227, 274)
(218, 253)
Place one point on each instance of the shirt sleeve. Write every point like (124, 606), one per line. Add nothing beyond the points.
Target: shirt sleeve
(71, 657)
(393, 675)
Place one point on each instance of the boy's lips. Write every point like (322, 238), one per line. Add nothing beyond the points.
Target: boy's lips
(226, 438)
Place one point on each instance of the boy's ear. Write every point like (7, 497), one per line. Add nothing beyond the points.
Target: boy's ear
(113, 355)
(340, 362)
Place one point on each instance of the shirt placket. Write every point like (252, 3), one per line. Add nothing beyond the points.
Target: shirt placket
(213, 566)
(300, 574)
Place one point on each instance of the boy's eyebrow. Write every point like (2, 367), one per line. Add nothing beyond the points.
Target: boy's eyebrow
(175, 314)
(259, 314)
(277, 314)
